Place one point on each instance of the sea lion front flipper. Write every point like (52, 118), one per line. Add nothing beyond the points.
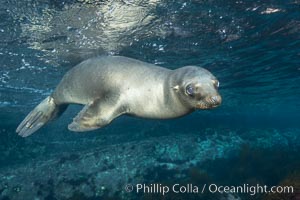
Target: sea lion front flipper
(93, 116)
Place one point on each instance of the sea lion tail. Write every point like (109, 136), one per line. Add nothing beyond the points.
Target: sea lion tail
(39, 116)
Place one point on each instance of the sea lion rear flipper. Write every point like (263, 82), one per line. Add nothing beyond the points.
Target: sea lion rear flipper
(39, 116)
(91, 117)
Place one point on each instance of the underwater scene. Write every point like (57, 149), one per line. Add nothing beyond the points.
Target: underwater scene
(246, 146)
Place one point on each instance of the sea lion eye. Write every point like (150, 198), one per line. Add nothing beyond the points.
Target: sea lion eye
(216, 83)
(190, 90)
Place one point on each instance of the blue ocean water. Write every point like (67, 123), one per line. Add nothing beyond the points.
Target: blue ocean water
(252, 47)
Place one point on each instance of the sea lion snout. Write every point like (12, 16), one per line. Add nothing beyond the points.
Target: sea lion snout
(209, 102)
(214, 100)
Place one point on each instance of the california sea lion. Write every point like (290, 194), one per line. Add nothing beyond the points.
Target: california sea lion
(110, 86)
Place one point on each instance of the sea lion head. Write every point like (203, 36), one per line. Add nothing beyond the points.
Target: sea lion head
(198, 88)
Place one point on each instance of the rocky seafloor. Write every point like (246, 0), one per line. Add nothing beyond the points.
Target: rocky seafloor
(104, 172)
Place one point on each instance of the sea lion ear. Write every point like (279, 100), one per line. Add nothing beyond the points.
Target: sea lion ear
(176, 88)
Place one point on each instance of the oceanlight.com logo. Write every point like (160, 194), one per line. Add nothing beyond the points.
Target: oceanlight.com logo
(158, 188)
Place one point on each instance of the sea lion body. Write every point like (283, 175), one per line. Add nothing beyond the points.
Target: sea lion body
(110, 86)
(121, 80)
